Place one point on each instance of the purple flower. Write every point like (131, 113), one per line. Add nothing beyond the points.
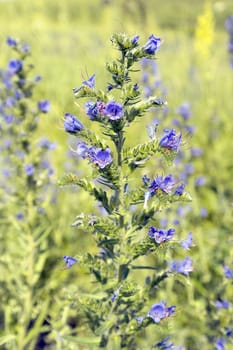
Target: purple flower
(228, 272)
(29, 169)
(15, 66)
(221, 304)
(152, 45)
(44, 106)
(165, 184)
(170, 140)
(11, 42)
(182, 266)
(187, 242)
(69, 260)
(159, 311)
(113, 110)
(8, 118)
(219, 345)
(45, 143)
(72, 124)
(203, 212)
(179, 190)
(20, 216)
(100, 157)
(160, 235)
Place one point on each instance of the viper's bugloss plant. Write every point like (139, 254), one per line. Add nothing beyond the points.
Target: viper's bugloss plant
(27, 190)
(124, 300)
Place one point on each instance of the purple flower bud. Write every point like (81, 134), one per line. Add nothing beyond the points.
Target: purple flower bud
(15, 66)
(91, 109)
(170, 140)
(82, 149)
(113, 110)
(69, 260)
(160, 235)
(182, 266)
(44, 106)
(152, 45)
(29, 169)
(159, 311)
(72, 124)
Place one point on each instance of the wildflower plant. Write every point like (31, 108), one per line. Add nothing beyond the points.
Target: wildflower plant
(26, 194)
(124, 301)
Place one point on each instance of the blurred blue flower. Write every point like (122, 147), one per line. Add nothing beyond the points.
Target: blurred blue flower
(200, 181)
(187, 242)
(90, 82)
(229, 25)
(72, 124)
(11, 42)
(228, 272)
(159, 311)
(184, 110)
(179, 189)
(219, 344)
(196, 152)
(166, 345)
(182, 266)
(44, 106)
(135, 39)
(82, 149)
(152, 45)
(29, 169)
(69, 260)
(15, 66)
(160, 235)
(221, 304)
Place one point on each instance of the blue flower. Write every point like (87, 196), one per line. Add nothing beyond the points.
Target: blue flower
(159, 311)
(160, 235)
(11, 42)
(165, 184)
(182, 266)
(200, 181)
(29, 169)
(44, 106)
(228, 272)
(69, 260)
(229, 25)
(113, 110)
(15, 66)
(196, 152)
(72, 124)
(100, 157)
(152, 45)
(187, 242)
(221, 304)
(90, 82)
(170, 140)
(219, 344)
